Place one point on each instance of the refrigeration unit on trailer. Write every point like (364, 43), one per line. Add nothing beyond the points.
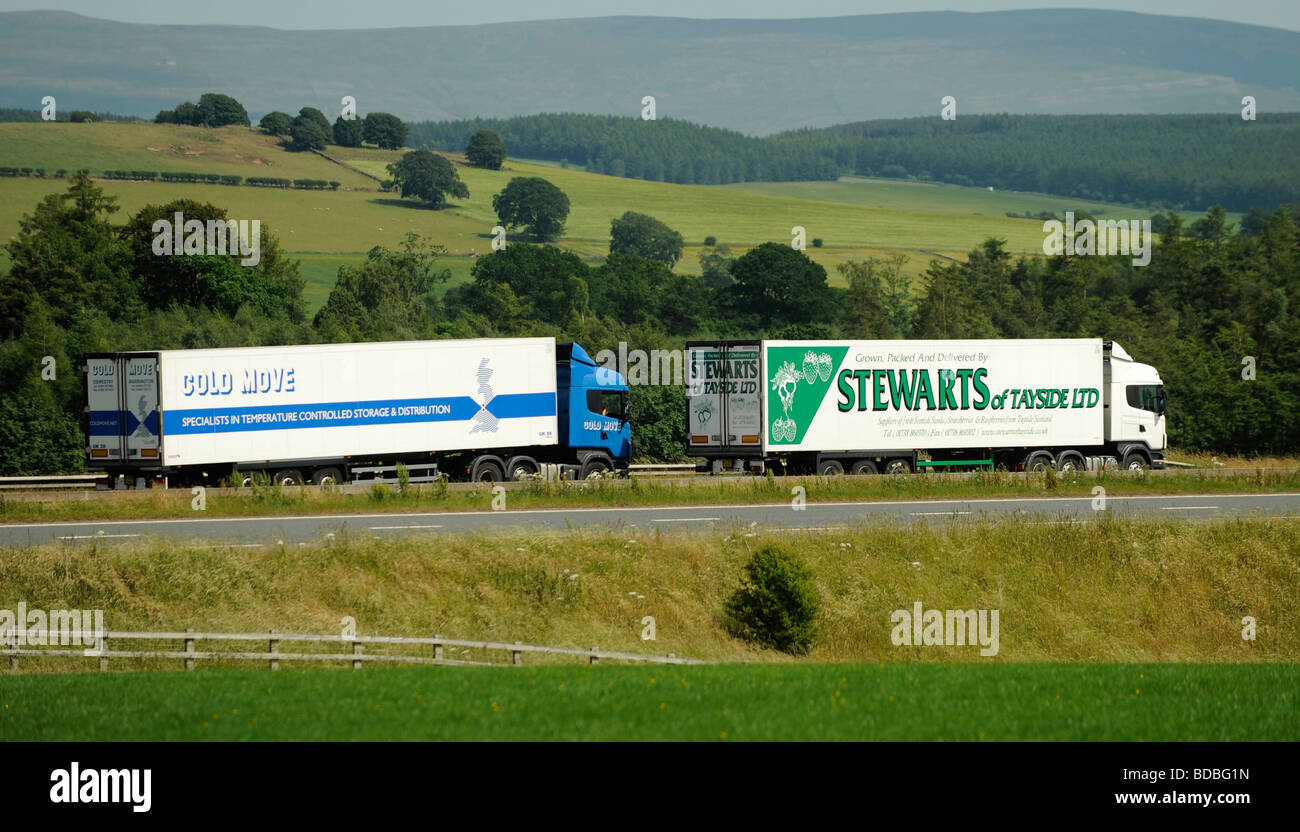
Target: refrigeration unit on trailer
(483, 409)
(860, 407)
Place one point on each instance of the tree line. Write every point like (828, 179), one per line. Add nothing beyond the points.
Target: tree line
(1167, 162)
(1217, 310)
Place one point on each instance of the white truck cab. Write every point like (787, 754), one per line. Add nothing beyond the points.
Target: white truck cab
(1135, 408)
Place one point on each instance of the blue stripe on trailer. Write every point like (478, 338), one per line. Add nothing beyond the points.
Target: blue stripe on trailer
(352, 414)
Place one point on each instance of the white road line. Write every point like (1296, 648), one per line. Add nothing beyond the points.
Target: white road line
(372, 528)
(937, 513)
(1187, 508)
(979, 501)
(685, 519)
(92, 536)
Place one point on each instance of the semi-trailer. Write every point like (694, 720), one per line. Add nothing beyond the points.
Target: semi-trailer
(477, 410)
(864, 407)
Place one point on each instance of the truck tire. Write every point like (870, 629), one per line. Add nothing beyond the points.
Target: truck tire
(1069, 461)
(327, 477)
(830, 468)
(594, 466)
(1038, 462)
(518, 468)
(1135, 461)
(288, 476)
(487, 470)
(864, 466)
(898, 465)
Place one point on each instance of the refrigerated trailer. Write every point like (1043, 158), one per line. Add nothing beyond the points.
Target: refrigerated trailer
(830, 407)
(479, 410)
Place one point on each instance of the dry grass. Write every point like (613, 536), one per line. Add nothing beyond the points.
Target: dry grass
(1111, 591)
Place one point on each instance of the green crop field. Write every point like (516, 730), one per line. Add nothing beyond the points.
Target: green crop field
(737, 218)
(925, 196)
(1087, 702)
(856, 218)
(162, 147)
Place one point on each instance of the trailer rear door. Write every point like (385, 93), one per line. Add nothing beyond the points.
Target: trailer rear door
(143, 424)
(105, 443)
(724, 396)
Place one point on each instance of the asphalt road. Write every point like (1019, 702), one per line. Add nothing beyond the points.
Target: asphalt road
(259, 531)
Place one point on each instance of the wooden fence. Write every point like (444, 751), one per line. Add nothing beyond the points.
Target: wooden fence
(355, 651)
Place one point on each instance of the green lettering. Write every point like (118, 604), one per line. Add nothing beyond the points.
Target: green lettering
(902, 394)
(845, 390)
(981, 388)
(923, 389)
(946, 381)
(964, 375)
(878, 389)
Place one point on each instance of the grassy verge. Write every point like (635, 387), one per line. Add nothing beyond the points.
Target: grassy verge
(271, 501)
(805, 702)
(1109, 591)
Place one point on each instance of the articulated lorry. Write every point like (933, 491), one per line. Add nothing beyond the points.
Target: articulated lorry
(478, 410)
(864, 407)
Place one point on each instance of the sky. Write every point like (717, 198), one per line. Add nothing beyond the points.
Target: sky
(349, 14)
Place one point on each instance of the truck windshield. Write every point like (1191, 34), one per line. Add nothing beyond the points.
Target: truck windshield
(1146, 397)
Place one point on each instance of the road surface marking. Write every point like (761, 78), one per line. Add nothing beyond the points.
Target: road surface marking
(372, 528)
(92, 536)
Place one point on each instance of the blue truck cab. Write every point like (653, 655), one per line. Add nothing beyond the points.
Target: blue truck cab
(593, 411)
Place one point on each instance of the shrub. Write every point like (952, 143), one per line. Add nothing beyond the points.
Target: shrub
(776, 605)
(817, 242)
(710, 240)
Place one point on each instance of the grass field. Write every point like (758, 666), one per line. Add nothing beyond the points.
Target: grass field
(857, 218)
(1123, 590)
(52, 506)
(925, 196)
(1079, 702)
(162, 147)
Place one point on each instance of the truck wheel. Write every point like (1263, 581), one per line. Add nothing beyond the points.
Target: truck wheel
(1136, 461)
(829, 468)
(326, 477)
(1069, 461)
(594, 466)
(488, 472)
(288, 476)
(1038, 462)
(898, 466)
(864, 466)
(520, 468)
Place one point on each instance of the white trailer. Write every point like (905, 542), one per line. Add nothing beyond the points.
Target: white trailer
(829, 407)
(480, 409)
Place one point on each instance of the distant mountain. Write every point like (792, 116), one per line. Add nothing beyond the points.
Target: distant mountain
(755, 76)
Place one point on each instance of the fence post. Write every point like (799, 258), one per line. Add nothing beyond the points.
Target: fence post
(437, 646)
(275, 648)
(517, 656)
(103, 646)
(594, 658)
(189, 648)
(356, 651)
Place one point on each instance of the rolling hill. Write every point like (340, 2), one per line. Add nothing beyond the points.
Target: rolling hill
(756, 76)
(855, 218)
